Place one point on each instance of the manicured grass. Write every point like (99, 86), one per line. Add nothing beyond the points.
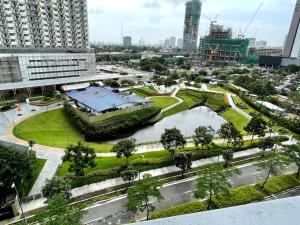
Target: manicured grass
(55, 129)
(144, 92)
(163, 102)
(217, 88)
(237, 119)
(28, 184)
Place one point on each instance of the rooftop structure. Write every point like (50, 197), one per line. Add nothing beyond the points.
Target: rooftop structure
(100, 100)
(191, 25)
(277, 212)
(272, 107)
(218, 47)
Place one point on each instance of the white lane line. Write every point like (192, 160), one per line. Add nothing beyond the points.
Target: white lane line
(187, 192)
(92, 221)
(106, 202)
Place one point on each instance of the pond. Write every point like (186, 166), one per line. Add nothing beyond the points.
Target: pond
(186, 121)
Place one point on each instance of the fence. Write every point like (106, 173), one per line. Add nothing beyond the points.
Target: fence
(21, 148)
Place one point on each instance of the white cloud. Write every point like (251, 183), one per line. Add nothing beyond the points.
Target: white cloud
(155, 20)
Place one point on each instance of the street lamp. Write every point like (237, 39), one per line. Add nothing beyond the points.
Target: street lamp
(18, 197)
(142, 156)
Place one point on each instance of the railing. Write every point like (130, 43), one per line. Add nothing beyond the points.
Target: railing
(16, 146)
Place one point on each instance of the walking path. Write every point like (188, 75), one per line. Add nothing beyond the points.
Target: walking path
(96, 187)
(234, 107)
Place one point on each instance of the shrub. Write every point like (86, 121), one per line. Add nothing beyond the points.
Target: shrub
(112, 127)
(187, 208)
(239, 196)
(278, 184)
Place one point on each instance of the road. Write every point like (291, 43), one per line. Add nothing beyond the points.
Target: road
(114, 211)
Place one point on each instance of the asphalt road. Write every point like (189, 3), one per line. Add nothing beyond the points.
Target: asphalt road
(114, 211)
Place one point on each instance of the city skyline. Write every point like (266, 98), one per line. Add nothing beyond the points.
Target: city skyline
(153, 20)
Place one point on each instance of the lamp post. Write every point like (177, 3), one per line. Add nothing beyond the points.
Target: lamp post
(18, 197)
(142, 156)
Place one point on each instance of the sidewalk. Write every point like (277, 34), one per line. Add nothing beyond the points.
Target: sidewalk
(91, 188)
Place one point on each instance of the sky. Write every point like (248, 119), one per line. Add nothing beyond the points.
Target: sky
(155, 20)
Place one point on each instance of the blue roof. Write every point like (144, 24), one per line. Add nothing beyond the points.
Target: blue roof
(102, 99)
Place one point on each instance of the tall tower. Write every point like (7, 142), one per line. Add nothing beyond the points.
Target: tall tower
(191, 25)
(292, 44)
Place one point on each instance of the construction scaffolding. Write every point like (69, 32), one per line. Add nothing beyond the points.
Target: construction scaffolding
(219, 48)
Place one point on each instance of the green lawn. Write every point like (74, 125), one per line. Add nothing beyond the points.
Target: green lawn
(217, 88)
(237, 119)
(55, 129)
(144, 92)
(28, 184)
(163, 102)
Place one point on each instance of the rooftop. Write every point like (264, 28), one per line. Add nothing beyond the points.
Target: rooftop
(102, 99)
(277, 212)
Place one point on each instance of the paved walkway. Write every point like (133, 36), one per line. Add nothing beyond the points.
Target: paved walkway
(87, 189)
(234, 107)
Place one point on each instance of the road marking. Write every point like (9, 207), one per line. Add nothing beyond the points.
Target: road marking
(106, 202)
(92, 221)
(187, 192)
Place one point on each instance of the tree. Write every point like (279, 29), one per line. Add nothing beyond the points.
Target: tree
(231, 134)
(80, 158)
(293, 153)
(129, 175)
(183, 160)
(213, 181)
(203, 136)
(172, 139)
(125, 148)
(139, 195)
(16, 167)
(57, 186)
(266, 144)
(257, 126)
(227, 155)
(31, 143)
(59, 213)
(272, 164)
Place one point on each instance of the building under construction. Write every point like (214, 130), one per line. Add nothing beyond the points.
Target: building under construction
(220, 48)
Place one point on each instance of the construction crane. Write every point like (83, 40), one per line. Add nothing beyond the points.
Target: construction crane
(242, 33)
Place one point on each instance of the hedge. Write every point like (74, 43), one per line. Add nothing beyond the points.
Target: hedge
(190, 207)
(112, 127)
(239, 196)
(278, 184)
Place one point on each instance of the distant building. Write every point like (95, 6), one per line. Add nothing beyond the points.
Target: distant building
(173, 42)
(261, 43)
(292, 45)
(268, 51)
(252, 42)
(191, 25)
(167, 44)
(180, 43)
(141, 42)
(127, 41)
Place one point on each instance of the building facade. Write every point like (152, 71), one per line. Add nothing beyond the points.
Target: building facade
(44, 42)
(43, 24)
(191, 25)
(292, 44)
(127, 41)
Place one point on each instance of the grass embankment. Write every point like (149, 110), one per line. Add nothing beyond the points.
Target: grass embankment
(144, 92)
(237, 119)
(163, 102)
(28, 184)
(239, 196)
(217, 88)
(54, 128)
(109, 167)
(195, 98)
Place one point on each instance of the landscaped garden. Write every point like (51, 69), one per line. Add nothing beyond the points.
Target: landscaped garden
(163, 102)
(144, 92)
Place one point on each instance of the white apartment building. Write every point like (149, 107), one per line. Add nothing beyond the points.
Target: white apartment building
(43, 23)
(44, 42)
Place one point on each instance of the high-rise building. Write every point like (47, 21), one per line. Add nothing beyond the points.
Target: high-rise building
(191, 25)
(173, 42)
(261, 43)
(127, 41)
(43, 43)
(180, 43)
(252, 42)
(141, 42)
(43, 24)
(292, 45)
(167, 44)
